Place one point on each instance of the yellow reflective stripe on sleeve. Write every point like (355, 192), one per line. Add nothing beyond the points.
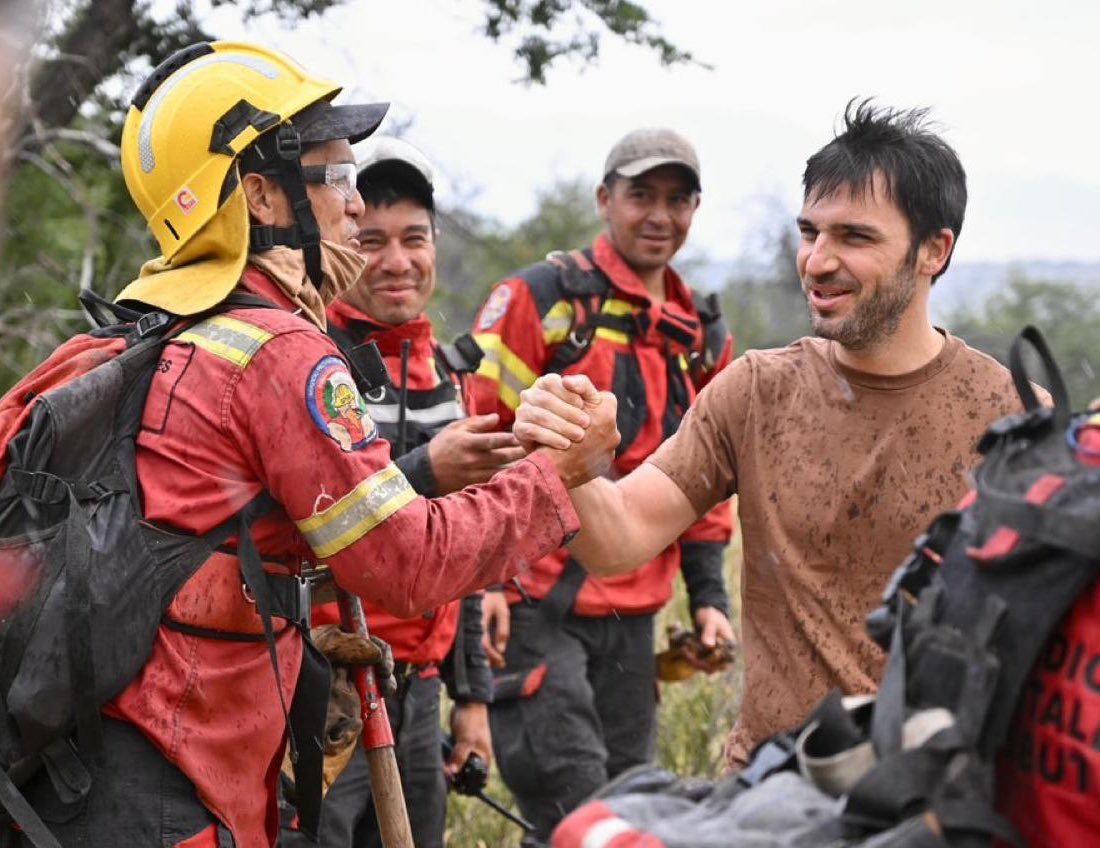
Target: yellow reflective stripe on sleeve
(683, 362)
(227, 338)
(557, 323)
(489, 366)
(512, 374)
(358, 512)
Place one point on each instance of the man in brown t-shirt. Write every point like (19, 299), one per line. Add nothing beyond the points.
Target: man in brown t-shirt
(841, 448)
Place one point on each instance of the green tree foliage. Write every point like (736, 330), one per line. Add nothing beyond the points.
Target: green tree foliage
(1067, 314)
(72, 226)
(88, 42)
(547, 30)
(764, 305)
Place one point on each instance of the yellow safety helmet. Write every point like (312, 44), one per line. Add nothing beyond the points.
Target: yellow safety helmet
(185, 131)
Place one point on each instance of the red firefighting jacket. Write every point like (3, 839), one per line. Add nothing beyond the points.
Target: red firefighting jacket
(520, 327)
(260, 399)
(1048, 776)
(434, 401)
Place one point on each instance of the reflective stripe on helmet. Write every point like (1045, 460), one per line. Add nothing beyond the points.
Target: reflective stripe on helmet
(148, 116)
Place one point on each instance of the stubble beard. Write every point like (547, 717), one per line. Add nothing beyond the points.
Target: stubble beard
(874, 320)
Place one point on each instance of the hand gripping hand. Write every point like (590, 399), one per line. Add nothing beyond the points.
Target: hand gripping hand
(572, 423)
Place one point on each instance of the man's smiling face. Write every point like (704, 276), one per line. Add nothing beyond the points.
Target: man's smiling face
(398, 243)
(856, 264)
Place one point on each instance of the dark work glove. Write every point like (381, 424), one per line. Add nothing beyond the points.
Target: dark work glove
(351, 649)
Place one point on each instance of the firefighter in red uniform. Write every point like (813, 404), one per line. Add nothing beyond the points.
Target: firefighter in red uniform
(577, 702)
(440, 447)
(244, 171)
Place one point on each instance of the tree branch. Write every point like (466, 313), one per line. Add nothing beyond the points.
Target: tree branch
(93, 48)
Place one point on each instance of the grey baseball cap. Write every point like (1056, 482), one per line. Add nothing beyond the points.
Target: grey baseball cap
(644, 149)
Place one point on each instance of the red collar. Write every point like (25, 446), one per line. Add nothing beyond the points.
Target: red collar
(388, 337)
(628, 283)
(417, 330)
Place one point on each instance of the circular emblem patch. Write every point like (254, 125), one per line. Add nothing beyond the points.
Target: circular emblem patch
(336, 407)
(495, 307)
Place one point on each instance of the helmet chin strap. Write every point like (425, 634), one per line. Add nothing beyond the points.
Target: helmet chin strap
(303, 234)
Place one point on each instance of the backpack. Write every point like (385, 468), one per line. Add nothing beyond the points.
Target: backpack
(85, 578)
(586, 287)
(965, 617)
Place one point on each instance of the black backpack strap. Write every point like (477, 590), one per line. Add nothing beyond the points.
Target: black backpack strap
(104, 312)
(715, 331)
(889, 713)
(147, 321)
(587, 287)
(368, 368)
(240, 300)
(1058, 391)
(305, 719)
(462, 356)
(78, 548)
(912, 577)
(21, 812)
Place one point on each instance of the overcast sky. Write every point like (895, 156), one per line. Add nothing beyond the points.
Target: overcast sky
(1015, 86)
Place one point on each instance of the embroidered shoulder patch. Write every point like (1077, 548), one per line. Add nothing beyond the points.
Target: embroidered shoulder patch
(495, 307)
(336, 406)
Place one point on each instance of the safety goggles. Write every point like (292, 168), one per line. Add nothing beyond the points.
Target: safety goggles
(339, 176)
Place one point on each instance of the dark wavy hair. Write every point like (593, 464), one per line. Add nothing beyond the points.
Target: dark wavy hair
(922, 173)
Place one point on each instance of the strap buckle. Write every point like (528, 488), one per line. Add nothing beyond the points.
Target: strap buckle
(39, 486)
(305, 600)
(151, 322)
(290, 601)
(261, 237)
(288, 143)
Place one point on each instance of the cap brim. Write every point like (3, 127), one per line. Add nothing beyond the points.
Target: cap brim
(641, 166)
(353, 122)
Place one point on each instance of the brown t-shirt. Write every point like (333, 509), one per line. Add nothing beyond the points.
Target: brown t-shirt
(837, 472)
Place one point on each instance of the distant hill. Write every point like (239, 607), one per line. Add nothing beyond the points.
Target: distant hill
(969, 283)
(965, 283)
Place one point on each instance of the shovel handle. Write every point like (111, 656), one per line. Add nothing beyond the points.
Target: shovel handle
(385, 780)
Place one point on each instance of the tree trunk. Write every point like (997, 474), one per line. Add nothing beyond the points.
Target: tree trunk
(92, 48)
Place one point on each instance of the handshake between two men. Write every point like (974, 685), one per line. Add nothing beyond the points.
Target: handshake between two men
(624, 523)
(572, 422)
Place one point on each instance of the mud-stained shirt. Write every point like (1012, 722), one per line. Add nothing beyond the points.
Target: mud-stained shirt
(837, 471)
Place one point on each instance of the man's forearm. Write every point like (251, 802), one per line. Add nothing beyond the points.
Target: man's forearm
(603, 542)
(626, 523)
